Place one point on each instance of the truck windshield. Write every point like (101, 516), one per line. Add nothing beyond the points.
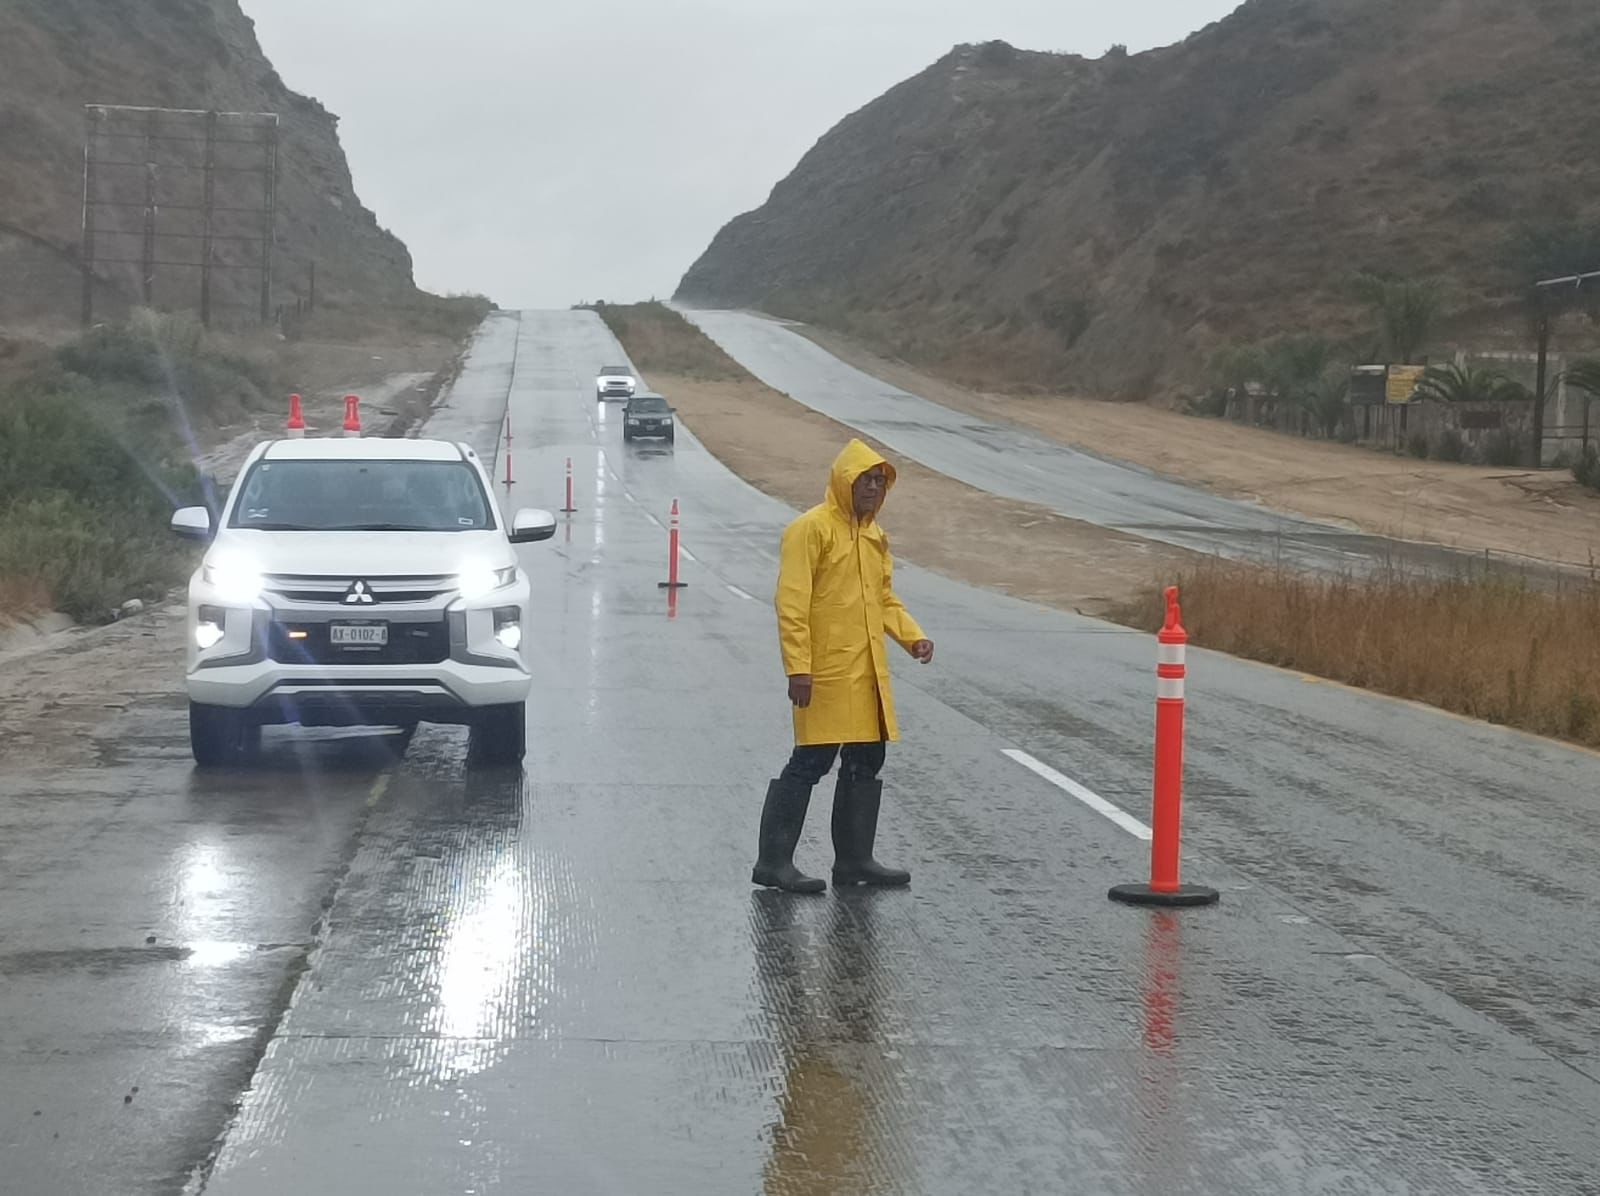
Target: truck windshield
(332, 496)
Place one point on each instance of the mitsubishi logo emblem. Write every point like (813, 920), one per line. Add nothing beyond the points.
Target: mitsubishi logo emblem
(359, 594)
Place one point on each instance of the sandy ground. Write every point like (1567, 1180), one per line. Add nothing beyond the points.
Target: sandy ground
(932, 520)
(59, 691)
(1543, 515)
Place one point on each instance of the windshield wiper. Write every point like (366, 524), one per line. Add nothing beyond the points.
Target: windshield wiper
(387, 527)
(254, 526)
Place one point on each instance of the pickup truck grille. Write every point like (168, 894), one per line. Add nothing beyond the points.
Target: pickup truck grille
(409, 643)
(331, 591)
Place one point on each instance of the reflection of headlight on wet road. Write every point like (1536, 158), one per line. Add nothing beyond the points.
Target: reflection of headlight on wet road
(482, 958)
(211, 954)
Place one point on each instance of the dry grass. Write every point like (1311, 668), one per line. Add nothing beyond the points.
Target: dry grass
(1488, 647)
(660, 341)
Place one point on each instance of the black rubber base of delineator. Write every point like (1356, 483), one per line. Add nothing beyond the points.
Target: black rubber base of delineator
(1182, 896)
(672, 585)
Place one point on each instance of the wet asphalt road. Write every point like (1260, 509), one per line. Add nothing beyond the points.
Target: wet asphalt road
(560, 979)
(1012, 461)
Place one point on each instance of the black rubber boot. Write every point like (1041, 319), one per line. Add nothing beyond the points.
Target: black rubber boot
(855, 827)
(781, 820)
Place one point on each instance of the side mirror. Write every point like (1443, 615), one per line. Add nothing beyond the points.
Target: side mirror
(529, 526)
(192, 523)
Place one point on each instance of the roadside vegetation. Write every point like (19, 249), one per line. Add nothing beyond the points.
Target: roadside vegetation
(1489, 646)
(660, 341)
(96, 442)
(453, 317)
(1299, 382)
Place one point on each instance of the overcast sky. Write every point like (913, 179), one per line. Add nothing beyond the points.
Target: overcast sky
(549, 151)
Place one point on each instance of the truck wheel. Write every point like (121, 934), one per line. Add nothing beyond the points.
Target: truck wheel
(219, 736)
(499, 736)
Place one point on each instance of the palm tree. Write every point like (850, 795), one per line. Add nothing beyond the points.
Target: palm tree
(1468, 384)
(1292, 364)
(1407, 310)
(1324, 399)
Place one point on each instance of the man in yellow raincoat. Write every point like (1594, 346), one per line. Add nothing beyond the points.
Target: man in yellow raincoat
(836, 603)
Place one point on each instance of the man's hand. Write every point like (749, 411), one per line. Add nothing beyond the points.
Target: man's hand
(800, 689)
(923, 651)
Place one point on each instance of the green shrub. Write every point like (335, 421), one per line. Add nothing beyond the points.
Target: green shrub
(89, 558)
(1417, 444)
(172, 356)
(84, 502)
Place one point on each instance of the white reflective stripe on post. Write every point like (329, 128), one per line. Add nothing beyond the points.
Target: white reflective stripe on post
(1169, 689)
(1170, 653)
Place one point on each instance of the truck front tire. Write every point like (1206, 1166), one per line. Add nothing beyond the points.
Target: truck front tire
(499, 736)
(220, 736)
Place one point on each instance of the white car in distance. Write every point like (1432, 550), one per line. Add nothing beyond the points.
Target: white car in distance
(358, 583)
(615, 382)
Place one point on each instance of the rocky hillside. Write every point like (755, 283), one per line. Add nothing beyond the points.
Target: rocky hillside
(58, 55)
(1040, 219)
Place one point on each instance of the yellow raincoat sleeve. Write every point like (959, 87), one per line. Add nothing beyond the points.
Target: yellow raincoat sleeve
(897, 620)
(797, 571)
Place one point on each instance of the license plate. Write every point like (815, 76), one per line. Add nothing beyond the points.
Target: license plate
(358, 635)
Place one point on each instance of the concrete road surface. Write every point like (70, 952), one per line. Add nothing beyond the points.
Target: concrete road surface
(1014, 462)
(559, 979)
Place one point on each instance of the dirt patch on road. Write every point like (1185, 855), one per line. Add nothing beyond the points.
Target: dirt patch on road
(1544, 515)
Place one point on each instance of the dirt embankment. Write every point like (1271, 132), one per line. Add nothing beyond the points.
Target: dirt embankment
(932, 520)
(1543, 515)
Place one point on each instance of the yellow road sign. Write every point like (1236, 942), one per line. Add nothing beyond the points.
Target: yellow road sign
(1403, 379)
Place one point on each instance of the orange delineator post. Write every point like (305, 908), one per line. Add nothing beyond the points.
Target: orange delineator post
(352, 415)
(296, 427)
(1165, 888)
(672, 582)
(569, 508)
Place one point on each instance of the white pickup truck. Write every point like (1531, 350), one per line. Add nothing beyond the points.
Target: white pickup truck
(358, 582)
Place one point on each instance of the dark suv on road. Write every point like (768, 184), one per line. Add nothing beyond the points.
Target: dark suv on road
(648, 415)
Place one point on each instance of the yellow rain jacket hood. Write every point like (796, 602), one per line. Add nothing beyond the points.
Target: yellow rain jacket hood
(836, 602)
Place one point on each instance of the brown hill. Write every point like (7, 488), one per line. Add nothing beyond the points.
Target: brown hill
(1040, 219)
(58, 55)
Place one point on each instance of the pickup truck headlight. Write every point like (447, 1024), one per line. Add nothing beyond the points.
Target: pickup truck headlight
(210, 626)
(236, 581)
(480, 583)
(508, 627)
